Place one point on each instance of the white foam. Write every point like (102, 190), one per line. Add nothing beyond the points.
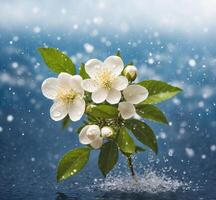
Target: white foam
(150, 182)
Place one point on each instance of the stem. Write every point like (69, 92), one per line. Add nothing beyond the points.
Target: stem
(130, 165)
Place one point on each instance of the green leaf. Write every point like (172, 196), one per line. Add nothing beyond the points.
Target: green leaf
(143, 133)
(125, 142)
(118, 53)
(139, 149)
(158, 91)
(151, 112)
(108, 157)
(66, 122)
(72, 162)
(83, 73)
(103, 111)
(57, 61)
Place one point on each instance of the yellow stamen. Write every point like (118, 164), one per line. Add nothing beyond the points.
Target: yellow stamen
(105, 78)
(68, 97)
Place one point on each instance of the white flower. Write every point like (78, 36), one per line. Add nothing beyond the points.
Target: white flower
(105, 82)
(133, 94)
(90, 134)
(130, 72)
(67, 94)
(106, 131)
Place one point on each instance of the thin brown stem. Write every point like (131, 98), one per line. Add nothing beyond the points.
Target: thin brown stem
(130, 165)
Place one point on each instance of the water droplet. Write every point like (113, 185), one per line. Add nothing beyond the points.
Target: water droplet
(192, 62)
(213, 147)
(33, 159)
(190, 152)
(171, 152)
(149, 182)
(10, 118)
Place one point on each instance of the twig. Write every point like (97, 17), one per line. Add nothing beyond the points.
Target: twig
(130, 165)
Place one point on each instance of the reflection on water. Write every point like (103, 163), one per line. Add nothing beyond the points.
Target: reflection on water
(137, 196)
(122, 195)
(62, 196)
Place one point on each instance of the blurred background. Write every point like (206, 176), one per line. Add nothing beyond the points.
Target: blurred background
(173, 41)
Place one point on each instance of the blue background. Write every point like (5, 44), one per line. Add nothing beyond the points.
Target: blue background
(31, 143)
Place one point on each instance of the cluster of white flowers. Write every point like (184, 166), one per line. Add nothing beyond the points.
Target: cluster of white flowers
(106, 83)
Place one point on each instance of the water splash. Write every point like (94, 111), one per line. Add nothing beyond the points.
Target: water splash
(150, 182)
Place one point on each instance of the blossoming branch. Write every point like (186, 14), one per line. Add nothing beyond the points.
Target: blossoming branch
(106, 94)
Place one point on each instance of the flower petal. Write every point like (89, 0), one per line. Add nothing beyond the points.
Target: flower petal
(65, 80)
(76, 84)
(127, 110)
(50, 88)
(120, 83)
(93, 132)
(58, 110)
(135, 94)
(114, 96)
(69, 82)
(83, 138)
(100, 95)
(78, 78)
(93, 66)
(96, 144)
(89, 85)
(114, 64)
(76, 109)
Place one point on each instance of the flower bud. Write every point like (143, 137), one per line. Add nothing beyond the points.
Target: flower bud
(89, 108)
(90, 134)
(93, 132)
(107, 131)
(130, 72)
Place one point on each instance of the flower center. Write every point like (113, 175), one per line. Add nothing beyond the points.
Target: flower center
(68, 97)
(91, 134)
(106, 79)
